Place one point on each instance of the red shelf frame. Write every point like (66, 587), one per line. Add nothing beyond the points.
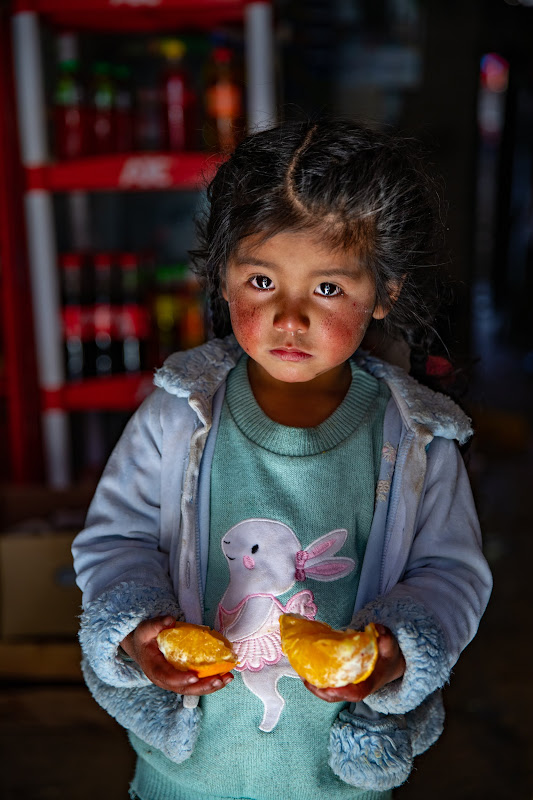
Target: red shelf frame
(129, 172)
(18, 378)
(113, 393)
(135, 15)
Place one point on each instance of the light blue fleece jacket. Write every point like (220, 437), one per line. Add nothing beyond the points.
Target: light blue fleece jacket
(144, 553)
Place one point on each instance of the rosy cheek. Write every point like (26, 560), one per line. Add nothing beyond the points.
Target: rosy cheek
(346, 328)
(245, 320)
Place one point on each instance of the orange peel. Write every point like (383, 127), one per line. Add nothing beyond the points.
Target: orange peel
(198, 648)
(326, 657)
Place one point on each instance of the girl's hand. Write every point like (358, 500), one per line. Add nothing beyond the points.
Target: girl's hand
(389, 666)
(141, 645)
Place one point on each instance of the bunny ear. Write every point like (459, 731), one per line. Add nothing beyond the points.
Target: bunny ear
(330, 543)
(330, 569)
(317, 561)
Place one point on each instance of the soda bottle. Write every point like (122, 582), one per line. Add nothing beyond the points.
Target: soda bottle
(103, 137)
(123, 110)
(134, 324)
(224, 100)
(69, 111)
(167, 309)
(106, 325)
(178, 101)
(192, 323)
(71, 267)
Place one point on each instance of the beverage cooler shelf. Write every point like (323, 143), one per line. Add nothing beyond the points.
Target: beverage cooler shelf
(135, 15)
(126, 172)
(128, 114)
(111, 393)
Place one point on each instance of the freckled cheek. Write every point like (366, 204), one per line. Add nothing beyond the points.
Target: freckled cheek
(246, 320)
(346, 329)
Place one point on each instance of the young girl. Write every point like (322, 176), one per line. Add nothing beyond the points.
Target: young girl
(281, 468)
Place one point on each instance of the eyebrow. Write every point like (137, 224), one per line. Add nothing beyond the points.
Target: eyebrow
(335, 272)
(242, 260)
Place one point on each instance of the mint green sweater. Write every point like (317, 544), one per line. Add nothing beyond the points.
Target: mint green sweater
(291, 510)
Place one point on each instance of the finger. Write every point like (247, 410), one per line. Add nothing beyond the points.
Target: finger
(151, 627)
(166, 622)
(188, 682)
(209, 685)
(352, 693)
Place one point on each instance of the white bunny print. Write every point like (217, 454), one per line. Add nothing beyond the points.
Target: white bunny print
(266, 559)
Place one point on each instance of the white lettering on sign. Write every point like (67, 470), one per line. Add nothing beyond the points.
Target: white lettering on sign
(146, 172)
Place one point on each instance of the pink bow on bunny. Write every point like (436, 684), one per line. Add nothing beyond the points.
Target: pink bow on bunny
(313, 563)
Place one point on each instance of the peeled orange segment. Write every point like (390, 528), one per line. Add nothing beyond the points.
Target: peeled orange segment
(198, 648)
(324, 656)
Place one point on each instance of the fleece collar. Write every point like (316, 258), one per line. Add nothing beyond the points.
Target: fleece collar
(427, 412)
(197, 374)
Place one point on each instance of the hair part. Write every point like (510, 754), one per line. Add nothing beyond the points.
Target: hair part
(353, 187)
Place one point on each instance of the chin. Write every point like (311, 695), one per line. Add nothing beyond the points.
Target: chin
(291, 375)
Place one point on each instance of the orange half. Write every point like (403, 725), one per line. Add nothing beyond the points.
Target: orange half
(198, 648)
(327, 657)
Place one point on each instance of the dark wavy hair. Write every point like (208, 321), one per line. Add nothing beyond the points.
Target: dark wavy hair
(354, 187)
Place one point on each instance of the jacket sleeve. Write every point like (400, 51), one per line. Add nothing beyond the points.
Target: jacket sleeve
(120, 566)
(435, 608)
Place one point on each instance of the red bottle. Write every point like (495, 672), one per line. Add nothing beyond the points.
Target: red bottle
(178, 101)
(71, 268)
(134, 322)
(69, 112)
(106, 325)
(224, 101)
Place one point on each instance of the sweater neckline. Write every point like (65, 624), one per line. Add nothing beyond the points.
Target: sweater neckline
(285, 440)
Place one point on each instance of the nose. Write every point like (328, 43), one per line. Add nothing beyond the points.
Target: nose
(291, 318)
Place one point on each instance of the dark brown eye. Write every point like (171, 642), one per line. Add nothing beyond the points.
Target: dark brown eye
(328, 289)
(261, 282)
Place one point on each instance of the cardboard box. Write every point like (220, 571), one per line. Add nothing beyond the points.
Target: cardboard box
(38, 593)
(48, 660)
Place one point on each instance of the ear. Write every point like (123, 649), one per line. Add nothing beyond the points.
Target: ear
(394, 290)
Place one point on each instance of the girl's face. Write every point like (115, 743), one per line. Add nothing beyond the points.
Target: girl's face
(298, 308)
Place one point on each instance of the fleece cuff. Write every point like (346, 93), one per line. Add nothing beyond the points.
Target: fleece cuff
(370, 754)
(111, 617)
(376, 752)
(423, 645)
(154, 715)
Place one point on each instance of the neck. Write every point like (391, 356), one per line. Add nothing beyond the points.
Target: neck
(299, 405)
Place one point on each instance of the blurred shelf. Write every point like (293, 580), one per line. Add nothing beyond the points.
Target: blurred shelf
(113, 393)
(128, 172)
(28, 661)
(135, 15)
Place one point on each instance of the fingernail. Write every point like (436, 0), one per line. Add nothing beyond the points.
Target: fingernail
(192, 679)
(169, 621)
(217, 684)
